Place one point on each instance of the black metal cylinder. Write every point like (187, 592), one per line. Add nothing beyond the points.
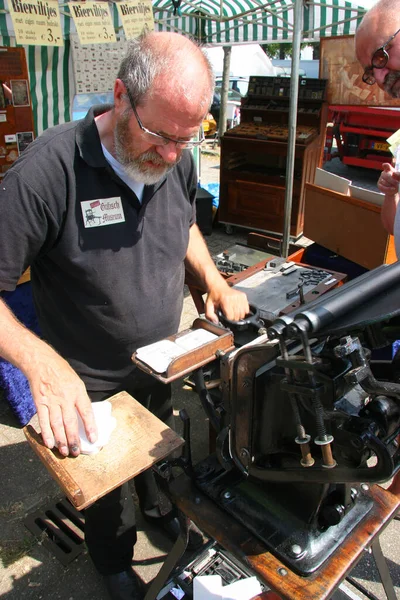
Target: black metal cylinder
(279, 325)
(348, 297)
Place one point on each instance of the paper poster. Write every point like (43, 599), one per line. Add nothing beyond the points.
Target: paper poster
(20, 92)
(36, 23)
(93, 22)
(24, 138)
(136, 17)
(96, 65)
(10, 150)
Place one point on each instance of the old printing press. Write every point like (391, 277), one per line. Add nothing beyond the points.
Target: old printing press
(303, 424)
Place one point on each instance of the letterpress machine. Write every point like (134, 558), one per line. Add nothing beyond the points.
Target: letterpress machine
(306, 422)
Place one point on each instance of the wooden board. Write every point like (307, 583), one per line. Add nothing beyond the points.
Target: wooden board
(349, 227)
(139, 440)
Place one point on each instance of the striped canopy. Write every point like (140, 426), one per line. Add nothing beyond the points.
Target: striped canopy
(240, 21)
(214, 22)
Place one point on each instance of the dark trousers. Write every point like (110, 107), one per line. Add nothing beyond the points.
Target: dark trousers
(110, 525)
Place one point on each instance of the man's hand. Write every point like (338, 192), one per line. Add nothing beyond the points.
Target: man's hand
(388, 182)
(232, 303)
(59, 394)
(198, 261)
(57, 391)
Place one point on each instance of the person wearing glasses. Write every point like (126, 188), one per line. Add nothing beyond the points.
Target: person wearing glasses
(103, 211)
(377, 44)
(378, 47)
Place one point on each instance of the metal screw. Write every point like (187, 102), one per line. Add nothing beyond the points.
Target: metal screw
(296, 550)
(244, 453)
(227, 495)
(282, 571)
(365, 487)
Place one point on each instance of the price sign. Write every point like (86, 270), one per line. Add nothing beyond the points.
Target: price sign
(36, 23)
(136, 17)
(93, 22)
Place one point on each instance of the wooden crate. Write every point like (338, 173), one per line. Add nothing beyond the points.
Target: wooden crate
(347, 226)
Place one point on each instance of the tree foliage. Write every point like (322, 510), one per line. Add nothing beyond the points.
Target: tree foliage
(283, 50)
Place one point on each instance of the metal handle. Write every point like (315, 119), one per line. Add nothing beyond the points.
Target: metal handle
(252, 318)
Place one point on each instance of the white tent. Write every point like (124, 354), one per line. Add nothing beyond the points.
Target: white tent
(245, 60)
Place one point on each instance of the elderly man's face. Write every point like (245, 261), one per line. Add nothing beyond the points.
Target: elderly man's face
(149, 162)
(381, 49)
(141, 161)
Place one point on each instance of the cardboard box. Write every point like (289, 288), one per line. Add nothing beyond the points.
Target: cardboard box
(348, 226)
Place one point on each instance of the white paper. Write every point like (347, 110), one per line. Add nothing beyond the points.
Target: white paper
(331, 181)
(159, 355)
(244, 589)
(367, 195)
(195, 339)
(105, 422)
(207, 587)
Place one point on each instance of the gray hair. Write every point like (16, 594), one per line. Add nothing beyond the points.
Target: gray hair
(144, 62)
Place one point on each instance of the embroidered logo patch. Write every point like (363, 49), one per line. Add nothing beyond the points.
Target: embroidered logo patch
(103, 211)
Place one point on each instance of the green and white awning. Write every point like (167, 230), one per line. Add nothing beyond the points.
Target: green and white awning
(213, 22)
(240, 21)
(50, 75)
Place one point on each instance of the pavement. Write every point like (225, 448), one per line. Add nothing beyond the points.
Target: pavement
(30, 570)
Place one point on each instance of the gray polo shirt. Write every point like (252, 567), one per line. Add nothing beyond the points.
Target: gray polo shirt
(107, 272)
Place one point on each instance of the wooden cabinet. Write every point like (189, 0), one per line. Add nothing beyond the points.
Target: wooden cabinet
(349, 227)
(254, 155)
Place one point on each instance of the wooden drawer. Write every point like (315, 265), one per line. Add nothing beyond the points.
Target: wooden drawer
(254, 205)
(347, 226)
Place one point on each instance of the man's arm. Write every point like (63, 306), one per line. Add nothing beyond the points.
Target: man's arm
(388, 184)
(198, 261)
(57, 390)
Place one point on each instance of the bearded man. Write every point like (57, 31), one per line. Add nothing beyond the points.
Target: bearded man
(377, 44)
(103, 211)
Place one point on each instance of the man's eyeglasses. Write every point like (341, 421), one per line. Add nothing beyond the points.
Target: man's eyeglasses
(379, 61)
(161, 140)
